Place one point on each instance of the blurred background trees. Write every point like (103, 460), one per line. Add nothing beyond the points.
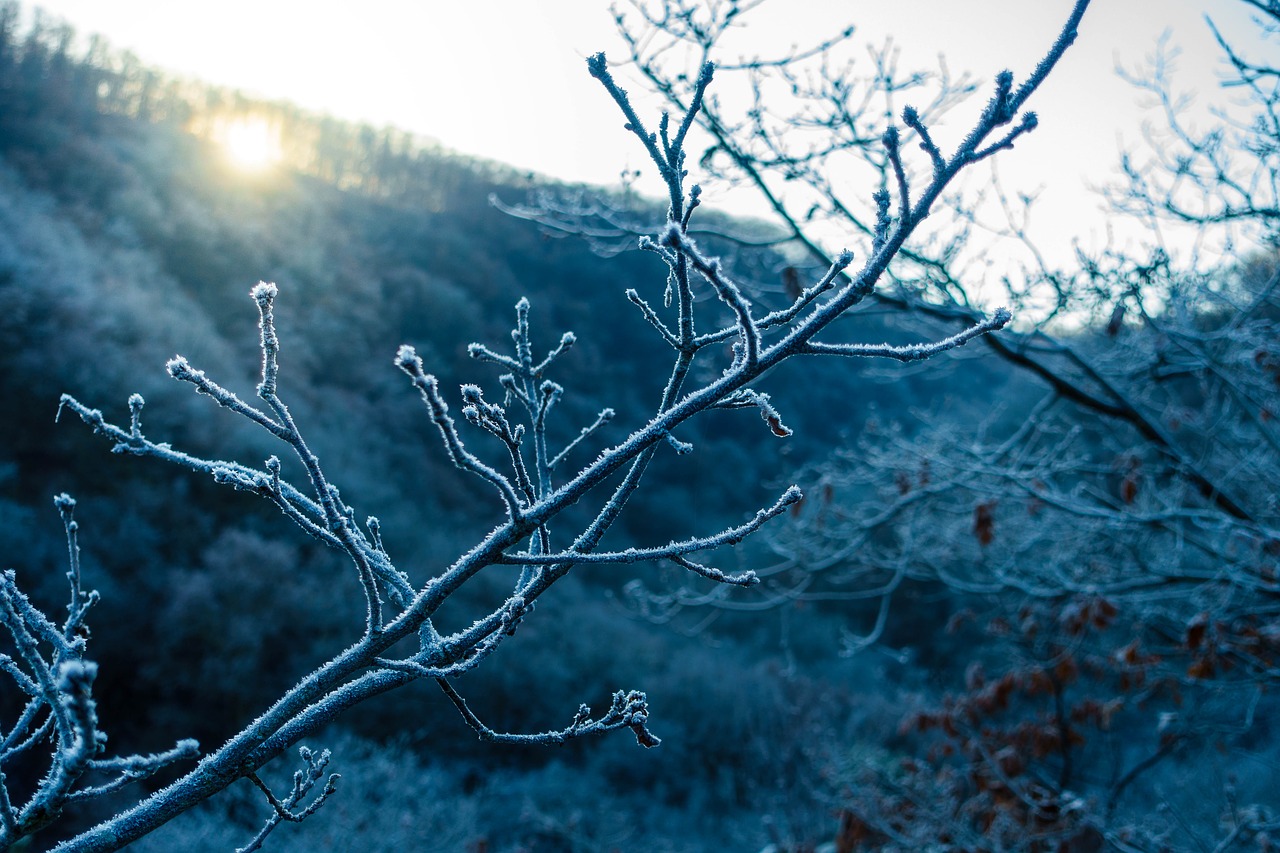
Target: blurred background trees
(1106, 538)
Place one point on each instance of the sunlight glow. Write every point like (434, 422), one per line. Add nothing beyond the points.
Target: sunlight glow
(251, 144)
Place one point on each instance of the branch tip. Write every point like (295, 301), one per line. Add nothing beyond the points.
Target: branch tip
(407, 359)
(179, 368)
(264, 293)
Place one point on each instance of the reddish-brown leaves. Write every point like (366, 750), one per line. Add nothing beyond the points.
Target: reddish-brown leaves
(1093, 612)
(1129, 488)
(984, 519)
(1196, 629)
(1202, 668)
(1131, 479)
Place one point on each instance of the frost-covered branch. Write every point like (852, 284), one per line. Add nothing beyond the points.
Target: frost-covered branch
(603, 418)
(627, 710)
(675, 550)
(408, 361)
(728, 292)
(286, 810)
(60, 712)
(914, 352)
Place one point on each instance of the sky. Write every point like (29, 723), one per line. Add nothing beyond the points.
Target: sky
(506, 79)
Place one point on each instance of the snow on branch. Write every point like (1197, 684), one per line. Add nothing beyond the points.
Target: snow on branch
(748, 398)
(603, 418)
(785, 316)
(303, 782)
(670, 158)
(407, 360)
(627, 710)
(297, 505)
(51, 672)
(653, 318)
(731, 536)
(730, 294)
(179, 368)
(913, 352)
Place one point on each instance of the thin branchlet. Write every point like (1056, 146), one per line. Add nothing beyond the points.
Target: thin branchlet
(730, 536)
(59, 684)
(408, 361)
(893, 149)
(914, 352)
(728, 292)
(628, 710)
(286, 810)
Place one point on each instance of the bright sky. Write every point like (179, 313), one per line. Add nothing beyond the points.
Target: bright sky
(505, 79)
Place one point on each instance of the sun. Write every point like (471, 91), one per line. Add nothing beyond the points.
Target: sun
(251, 144)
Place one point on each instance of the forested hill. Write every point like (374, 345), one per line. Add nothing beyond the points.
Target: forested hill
(128, 235)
